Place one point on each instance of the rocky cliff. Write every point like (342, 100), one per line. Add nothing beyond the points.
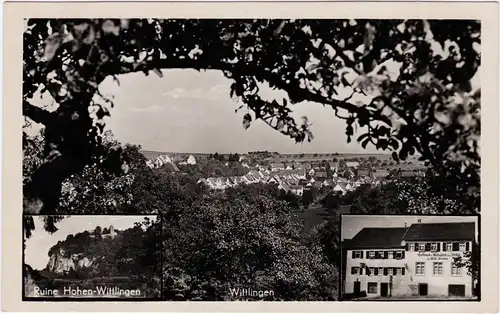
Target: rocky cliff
(60, 263)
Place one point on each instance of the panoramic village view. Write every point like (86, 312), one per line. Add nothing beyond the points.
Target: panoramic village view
(249, 140)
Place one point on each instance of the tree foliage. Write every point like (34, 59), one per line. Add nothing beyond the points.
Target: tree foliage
(245, 238)
(414, 196)
(428, 106)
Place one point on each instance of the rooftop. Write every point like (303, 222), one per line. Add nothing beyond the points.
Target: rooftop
(374, 238)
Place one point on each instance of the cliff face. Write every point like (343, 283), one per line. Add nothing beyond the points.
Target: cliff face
(60, 264)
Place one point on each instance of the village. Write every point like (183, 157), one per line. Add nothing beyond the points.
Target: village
(298, 172)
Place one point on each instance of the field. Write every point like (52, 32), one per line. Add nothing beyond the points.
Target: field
(315, 215)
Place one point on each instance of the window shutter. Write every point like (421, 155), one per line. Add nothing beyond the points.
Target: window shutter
(353, 254)
(407, 246)
(439, 246)
(361, 270)
(375, 271)
(402, 270)
(456, 246)
(467, 246)
(385, 271)
(444, 246)
(362, 254)
(403, 254)
(394, 271)
(386, 255)
(353, 270)
(427, 246)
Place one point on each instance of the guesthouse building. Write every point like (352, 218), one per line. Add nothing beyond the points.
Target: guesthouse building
(416, 261)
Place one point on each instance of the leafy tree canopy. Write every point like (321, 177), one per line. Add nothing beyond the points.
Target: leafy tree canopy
(238, 239)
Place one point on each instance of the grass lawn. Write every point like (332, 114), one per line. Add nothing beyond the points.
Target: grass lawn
(315, 215)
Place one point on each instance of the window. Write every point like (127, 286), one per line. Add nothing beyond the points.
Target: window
(381, 270)
(371, 254)
(398, 271)
(462, 246)
(357, 254)
(411, 247)
(449, 246)
(399, 255)
(391, 254)
(434, 246)
(372, 287)
(381, 253)
(420, 268)
(390, 272)
(455, 271)
(421, 246)
(371, 270)
(437, 269)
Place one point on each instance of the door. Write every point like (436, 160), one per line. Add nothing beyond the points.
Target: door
(456, 290)
(422, 289)
(357, 287)
(384, 289)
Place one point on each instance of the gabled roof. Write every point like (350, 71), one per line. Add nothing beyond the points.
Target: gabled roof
(171, 166)
(441, 231)
(320, 174)
(278, 165)
(378, 238)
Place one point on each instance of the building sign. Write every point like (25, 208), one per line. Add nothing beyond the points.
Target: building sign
(438, 256)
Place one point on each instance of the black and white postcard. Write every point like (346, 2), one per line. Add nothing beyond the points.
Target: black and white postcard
(249, 155)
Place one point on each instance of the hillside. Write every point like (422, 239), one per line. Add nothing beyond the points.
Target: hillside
(114, 253)
(128, 259)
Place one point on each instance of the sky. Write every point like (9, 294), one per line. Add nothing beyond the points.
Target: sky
(352, 224)
(191, 111)
(40, 242)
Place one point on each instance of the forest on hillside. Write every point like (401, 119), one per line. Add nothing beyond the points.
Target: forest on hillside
(131, 258)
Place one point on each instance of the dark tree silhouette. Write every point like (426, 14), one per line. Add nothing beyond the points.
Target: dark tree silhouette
(427, 108)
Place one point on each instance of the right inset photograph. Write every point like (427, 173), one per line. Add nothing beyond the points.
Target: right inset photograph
(417, 258)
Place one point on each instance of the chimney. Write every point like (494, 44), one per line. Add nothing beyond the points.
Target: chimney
(419, 221)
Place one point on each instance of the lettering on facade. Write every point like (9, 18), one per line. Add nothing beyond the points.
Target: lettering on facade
(438, 256)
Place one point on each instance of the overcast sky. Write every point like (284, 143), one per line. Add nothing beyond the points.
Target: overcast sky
(352, 224)
(40, 242)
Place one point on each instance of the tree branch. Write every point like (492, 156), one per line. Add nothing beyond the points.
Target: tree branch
(37, 114)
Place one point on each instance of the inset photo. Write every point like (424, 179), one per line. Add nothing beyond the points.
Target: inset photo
(417, 258)
(91, 257)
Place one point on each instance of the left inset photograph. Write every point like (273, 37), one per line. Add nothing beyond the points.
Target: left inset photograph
(91, 257)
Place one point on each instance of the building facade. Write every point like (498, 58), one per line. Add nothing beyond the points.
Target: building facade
(410, 261)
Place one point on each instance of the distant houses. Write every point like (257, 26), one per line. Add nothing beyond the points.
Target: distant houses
(191, 160)
(296, 173)
(277, 166)
(352, 164)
